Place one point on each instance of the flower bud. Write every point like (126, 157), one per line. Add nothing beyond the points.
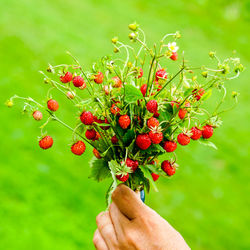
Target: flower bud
(239, 68)
(50, 69)
(204, 74)
(9, 103)
(234, 94)
(46, 80)
(133, 26)
(129, 64)
(225, 68)
(132, 36)
(116, 50)
(70, 94)
(177, 35)
(114, 40)
(211, 54)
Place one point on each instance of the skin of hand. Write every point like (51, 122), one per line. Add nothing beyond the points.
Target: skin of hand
(130, 224)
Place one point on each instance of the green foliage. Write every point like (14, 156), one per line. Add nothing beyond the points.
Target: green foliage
(132, 94)
(99, 169)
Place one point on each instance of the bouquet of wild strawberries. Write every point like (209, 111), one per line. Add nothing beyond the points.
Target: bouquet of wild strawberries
(136, 110)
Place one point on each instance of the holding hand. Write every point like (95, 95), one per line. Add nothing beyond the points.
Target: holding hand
(130, 224)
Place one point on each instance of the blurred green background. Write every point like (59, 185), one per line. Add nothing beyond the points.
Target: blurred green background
(46, 199)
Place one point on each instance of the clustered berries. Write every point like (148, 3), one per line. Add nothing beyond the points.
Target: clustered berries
(137, 109)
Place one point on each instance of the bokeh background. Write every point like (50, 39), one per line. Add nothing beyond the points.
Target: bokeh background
(46, 198)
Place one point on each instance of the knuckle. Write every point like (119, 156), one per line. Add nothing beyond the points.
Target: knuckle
(119, 191)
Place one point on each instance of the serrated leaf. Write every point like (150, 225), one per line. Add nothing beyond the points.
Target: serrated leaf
(207, 143)
(132, 94)
(99, 169)
(155, 148)
(148, 175)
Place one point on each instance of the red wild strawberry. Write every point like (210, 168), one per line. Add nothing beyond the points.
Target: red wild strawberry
(155, 176)
(106, 89)
(78, 81)
(152, 106)
(124, 121)
(170, 146)
(90, 134)
(66, 78)
(196, 133)
(37, 115)
(97, 137)
(131, 164)
(156, 138)
(161, 74)
(168, 168)
(83, 86)
(106, 122)
(198, 93)
(99, 78)
(122, 177)
(114, 139)
(87, 118)
(140, 73)
(156, 114)
(183, 139)
(174, 103)
(143, 141)
(46, 142)
(96, 153)
(174, 56)
(114, 109)
(117, 82)
(207, 131)
(78, 148)
(144, 89)
(52, 105)
(182, 113)
(152, 122)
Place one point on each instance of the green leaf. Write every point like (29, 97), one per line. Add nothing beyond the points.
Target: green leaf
(155, 170)
(147, 174)
(99, 169)
(128, 137)
(155, 148)
(132, 94)
(207, 143)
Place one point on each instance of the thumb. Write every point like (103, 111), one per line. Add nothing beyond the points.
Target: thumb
(128, 202)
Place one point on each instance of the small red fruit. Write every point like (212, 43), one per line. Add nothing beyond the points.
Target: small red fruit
(207, 131)
(143, 141)
(78, 148)
(152, 122)
(52, 105)
(183, 139)
(46, 142)
(78, 81)
(140, 73)
(182, 113)
(198, 94)
(122, 178)
(114, 109)
(156, 114)
(152, 106)
(37, 115)
(96, 153)
(133, 165)
(155, 176)
(196, 133)
(66, 78)
(90, 134)
(87, 118)
(161, 74)
(174, 103)
(99, 78)
(124, 121)
(156, 138)
(168, 168)
(144, 89)
(70, 95)
(174, 56)
(114, 139)
(170, 146)
(117, 82)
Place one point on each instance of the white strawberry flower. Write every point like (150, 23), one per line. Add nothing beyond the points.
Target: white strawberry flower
(173, 47)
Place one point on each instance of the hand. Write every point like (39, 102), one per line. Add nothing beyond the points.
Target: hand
(130, 224)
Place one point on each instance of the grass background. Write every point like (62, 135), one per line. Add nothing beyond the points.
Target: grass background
(46, 199)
